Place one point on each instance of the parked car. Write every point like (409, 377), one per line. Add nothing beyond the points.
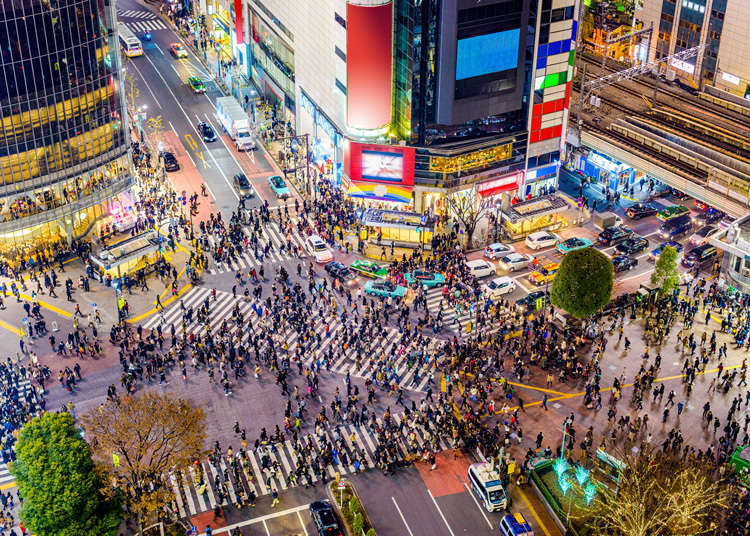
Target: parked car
(515, 261)
(529, 301)
(206, 131)
(676, 227)
(544, 274)
(480, 268)
(702, 256)
(318, 249)
(196, 84)
(657, 251)
(369, 269)
(673, 211)
(572, 244)
(341, 272)
(701, 236)
(426, 279)
(177, 50)
(614, 235)
(497, 250)
(677, 194)
(640, 210)
(385, 288)
(326, 522)
(633, 245)
(170, 161)
(278, 186)
(624, 262)
(499, 286)
(541, 239)
(243, 186)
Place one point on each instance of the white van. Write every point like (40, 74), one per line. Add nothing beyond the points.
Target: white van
(487, 485)
(480, 268)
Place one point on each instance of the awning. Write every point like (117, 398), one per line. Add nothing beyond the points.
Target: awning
(379, 191)
(496, 186)
(534, 208)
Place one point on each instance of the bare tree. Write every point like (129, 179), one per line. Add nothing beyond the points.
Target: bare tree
(466, 207)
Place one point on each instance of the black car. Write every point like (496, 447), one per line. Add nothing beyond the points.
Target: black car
(702, 255)
(678, 194)
(529, 301)
(709, 216)
(632, 245)
(207, 132)
(640, 210)
(614, 235)
(623, 262)
(170, 161)
(339, 271)
(325, 519)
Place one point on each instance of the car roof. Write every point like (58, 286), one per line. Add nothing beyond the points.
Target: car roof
(501, 279)
(539, 234)
(314, 238)
(514, 255)
(477, 262)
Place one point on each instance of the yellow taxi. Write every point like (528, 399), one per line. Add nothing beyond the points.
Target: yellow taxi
(544, 274)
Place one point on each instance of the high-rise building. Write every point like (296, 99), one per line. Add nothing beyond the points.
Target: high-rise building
(64, 164)
(721, 25)
(414, 98)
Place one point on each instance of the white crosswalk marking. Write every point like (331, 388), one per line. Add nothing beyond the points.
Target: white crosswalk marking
(434, 298)
(189, 502)
(5, 475)
(146, 26)
(247, 260)
(387, 354)
(135, 14)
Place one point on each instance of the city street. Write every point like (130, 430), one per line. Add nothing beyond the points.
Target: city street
(371, 376)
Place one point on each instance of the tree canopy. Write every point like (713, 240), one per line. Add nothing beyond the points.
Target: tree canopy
(660, 493)
(55, 475)
(583, 285)
(665, 274)
(141, 440)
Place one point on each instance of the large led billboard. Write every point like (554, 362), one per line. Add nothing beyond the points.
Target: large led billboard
(392, 164)
(487, 54)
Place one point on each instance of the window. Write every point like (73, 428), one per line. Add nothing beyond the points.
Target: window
(340, 20)
(340, 53)
(341, 86)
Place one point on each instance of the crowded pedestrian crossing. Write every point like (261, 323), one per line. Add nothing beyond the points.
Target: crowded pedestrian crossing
(452, 318)
(329, 354)
(281, 250)
(221, 481)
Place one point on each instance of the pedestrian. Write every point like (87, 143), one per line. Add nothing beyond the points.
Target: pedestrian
(275, 495)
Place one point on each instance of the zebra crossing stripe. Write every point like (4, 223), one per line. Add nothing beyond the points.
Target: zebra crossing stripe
(5, 475)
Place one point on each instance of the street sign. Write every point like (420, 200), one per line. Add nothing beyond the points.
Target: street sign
(539, 303)
(341, 484)
(115, 460)
(54, 326)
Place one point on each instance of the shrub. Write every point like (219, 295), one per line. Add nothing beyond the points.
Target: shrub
(354, 507)
(371, 532)
(358, 523)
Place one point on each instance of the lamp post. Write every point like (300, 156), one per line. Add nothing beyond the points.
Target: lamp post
(141, 112)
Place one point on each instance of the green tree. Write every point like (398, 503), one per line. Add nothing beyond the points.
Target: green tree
(665, 274)
(55, 474)
(583, 285)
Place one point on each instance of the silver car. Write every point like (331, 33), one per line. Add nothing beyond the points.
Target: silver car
(243, 186)
(514, 262)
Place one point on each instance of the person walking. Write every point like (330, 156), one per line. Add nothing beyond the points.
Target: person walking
(275, 495)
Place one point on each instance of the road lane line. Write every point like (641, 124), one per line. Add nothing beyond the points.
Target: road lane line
(481, 510)
(265, 526)
(304, 528)
(146, 83)
(533, 511)
(402, 517)
(229, 183)
(158, 48)
(441, 513)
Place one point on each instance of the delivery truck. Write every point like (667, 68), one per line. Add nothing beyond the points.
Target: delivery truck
(235, 122)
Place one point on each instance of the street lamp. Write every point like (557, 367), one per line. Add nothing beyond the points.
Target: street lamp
(141, 111)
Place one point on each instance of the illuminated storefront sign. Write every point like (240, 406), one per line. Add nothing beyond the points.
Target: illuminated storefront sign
(390, 164)
(469, 161)
(501, 184)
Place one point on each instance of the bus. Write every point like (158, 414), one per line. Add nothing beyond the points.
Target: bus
(487, 485)
(131, 45)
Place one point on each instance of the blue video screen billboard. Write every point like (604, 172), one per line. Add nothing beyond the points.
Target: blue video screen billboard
(486, 54)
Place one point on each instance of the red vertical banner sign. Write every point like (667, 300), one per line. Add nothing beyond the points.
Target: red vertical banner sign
(238, 21)
(369, 51)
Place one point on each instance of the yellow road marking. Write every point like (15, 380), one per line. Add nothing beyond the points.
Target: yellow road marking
(49, 306)
(442, 384)
(191, 141)
(533, 511)
(8, 485)
(13, 329)
(199, 154)
(165, 303)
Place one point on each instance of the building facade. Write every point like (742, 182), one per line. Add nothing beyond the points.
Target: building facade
(64, 160)
(410, 99)
(720, 25)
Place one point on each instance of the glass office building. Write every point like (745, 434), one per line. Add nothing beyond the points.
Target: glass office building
(64, 162)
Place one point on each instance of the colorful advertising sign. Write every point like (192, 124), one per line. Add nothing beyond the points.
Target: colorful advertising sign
(391, 164)
(369, 46)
